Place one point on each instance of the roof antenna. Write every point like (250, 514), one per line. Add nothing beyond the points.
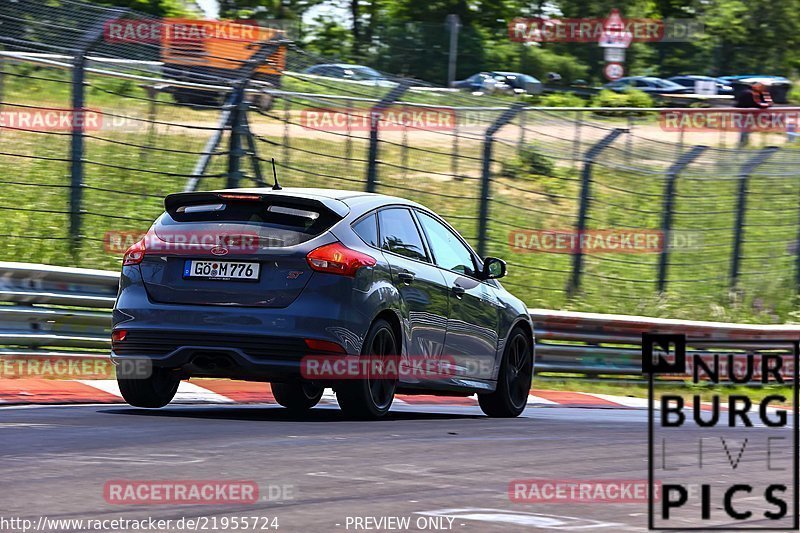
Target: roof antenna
(277, 186)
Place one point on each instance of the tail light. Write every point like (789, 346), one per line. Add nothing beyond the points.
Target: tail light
(337, 258)
(134, 254)
(324, 346)
(118, 335)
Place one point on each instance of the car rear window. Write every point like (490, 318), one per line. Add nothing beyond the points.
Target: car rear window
(275, 224)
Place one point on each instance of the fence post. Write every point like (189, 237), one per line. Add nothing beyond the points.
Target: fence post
(669, 202)
(253, 151)
(404, 152)
(208, 150)
(741, 207)
(235, 150)
(2, 79)
(287, 118)
(486, 171)
(348, 142)
(629, 140)
(89, 40)
(454, 152)
(233, 107)
(576, 144)
(797, 260)
(583, 209)
(374, 123)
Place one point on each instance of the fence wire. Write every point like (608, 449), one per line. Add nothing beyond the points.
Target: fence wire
(732, 245)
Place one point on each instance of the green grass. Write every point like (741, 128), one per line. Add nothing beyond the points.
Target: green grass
(686, 390)
(125, 186)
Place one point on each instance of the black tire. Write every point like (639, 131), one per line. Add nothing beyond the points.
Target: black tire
(195, 97)
(371, 398)
(299, 396)
(514, 381)
(154, 391)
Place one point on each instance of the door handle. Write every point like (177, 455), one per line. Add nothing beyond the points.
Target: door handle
(458, 290)
(406, 277)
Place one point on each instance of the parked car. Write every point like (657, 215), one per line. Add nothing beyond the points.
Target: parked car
(519, 83)
(779, 86)
(500, 81)
(647, 84)
(723, 88)
(483, 82)
(357, 73)
(336, 274)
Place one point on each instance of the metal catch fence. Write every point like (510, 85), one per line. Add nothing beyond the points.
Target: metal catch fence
(719, 221)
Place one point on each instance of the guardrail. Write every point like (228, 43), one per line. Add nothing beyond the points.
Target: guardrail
(57, 311)
(596, 344)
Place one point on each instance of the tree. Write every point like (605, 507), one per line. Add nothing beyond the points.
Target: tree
(156, 8)
(330, 39)
(265, 9)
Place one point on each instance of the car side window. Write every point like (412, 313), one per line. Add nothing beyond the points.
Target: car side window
(367, 229)
(448, 250)
(399, 233)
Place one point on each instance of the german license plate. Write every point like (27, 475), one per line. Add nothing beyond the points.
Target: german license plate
(221, 270)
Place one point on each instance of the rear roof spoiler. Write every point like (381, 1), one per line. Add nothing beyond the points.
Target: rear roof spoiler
(173, 201)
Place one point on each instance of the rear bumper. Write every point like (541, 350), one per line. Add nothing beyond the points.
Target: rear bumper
(236, 342)
(198, 354)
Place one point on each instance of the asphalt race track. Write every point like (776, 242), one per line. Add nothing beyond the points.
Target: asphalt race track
(320, 473)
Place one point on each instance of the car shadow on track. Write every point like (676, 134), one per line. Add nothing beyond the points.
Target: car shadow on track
(276, 414)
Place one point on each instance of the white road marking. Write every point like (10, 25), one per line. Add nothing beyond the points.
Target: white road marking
(106, 385)
(4, 425)
(191, 393)
(533, 400)
(106, 459)
(328, 397)
(187, 392)
(626, 401)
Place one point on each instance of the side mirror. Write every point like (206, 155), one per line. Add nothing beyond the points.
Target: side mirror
(493, 268)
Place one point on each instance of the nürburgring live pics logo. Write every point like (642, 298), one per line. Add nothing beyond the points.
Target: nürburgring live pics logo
(728, 459)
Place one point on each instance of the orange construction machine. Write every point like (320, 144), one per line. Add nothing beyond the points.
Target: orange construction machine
(212, 51)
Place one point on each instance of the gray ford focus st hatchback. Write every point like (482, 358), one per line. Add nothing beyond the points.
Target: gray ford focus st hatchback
(368, 294)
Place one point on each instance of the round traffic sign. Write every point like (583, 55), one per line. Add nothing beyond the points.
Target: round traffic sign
(614, 71)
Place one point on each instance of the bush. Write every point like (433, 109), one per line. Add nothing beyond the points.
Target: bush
(564, 99)
(638, 98)
(529, 161)
(628, 98)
